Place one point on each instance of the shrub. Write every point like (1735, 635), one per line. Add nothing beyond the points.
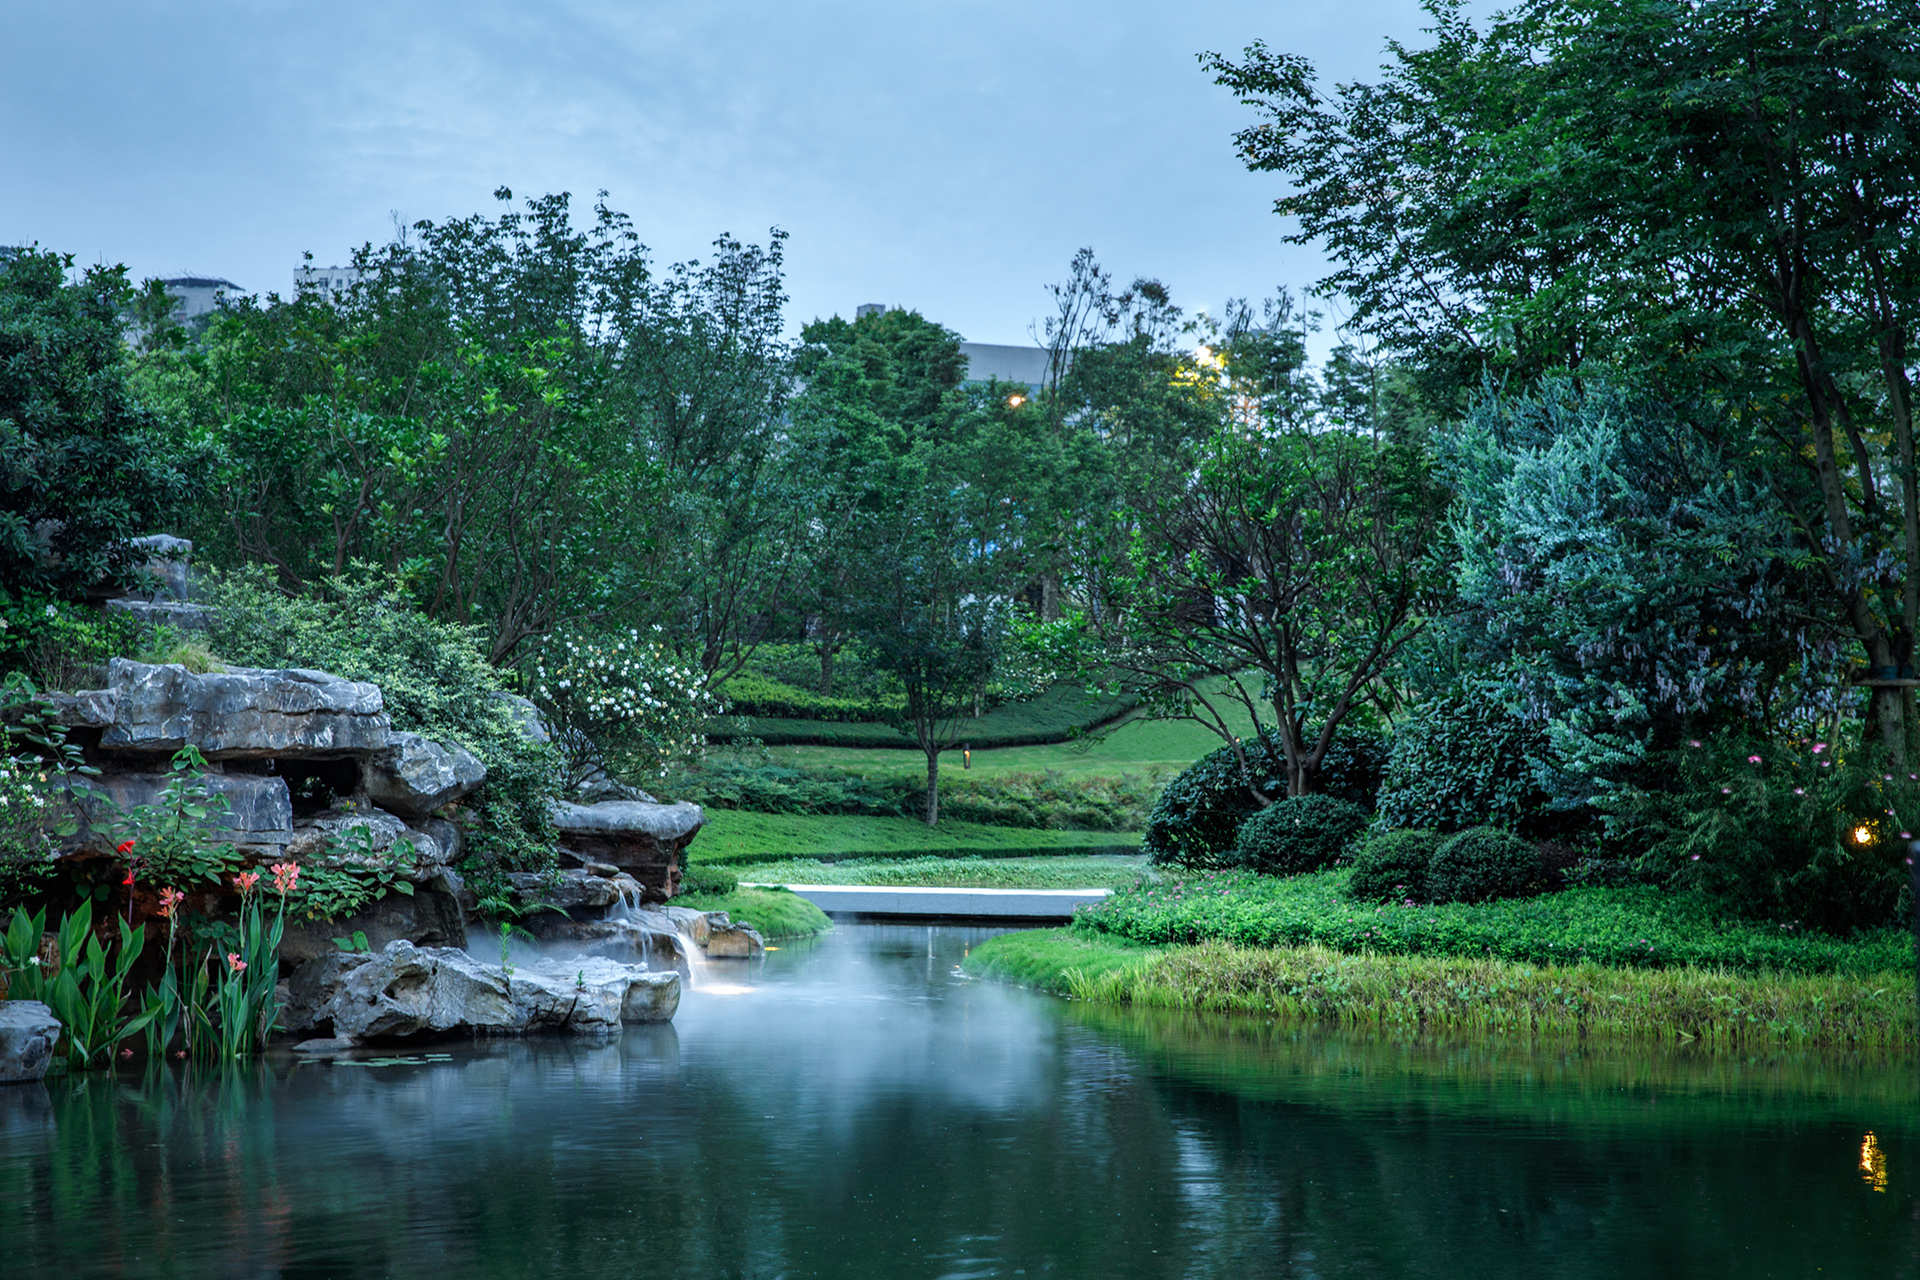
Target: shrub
(707, 878)
(65, 646)
(619, 701)
(1480, 864)
(1198, 815)
(1809, 832)
(1462, 761)
(1392, 866)
(1299, 833)
(1353, 768)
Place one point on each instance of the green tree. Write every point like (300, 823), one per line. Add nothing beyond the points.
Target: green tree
(85, 465)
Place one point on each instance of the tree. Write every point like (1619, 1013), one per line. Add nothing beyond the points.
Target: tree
(1719, 194)
(1285, 578)
(85, 466)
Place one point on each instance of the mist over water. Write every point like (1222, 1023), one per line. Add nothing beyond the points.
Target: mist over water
(854, 1108)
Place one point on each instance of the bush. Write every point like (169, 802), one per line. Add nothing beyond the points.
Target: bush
(752, 694)
(1392, 866)
(707, 878)
(1299, 833)
(65, 646)
(1196, 819)
(619, 702)
(1462, 761)
(434, 677)
(1480, 864)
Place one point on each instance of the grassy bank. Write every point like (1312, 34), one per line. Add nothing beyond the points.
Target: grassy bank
(734, 836)
(776, 913)
(1402, 994)
(1064, 871)
(1057, 715)
(1628, 927)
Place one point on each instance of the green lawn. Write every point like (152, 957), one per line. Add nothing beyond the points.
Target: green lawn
(1063, 871)
(735, 836)
(775, 913)
(1052, 716)
(1135, 744)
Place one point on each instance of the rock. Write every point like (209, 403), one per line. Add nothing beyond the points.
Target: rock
(569, 891)
(170, 560)
(646, 938)
(28, 1032)
(697, 925)
(359, 838)
(643, 839)
(446, 838)
(731, 941)
(259, 811)
(404, 991)
(431, 916)
(325, 1045)
(417, 775)
(653, 997)
(88, 709)
(531, 723)
(244, 713)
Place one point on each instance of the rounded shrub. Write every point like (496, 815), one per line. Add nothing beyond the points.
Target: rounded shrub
(1299, 833)
(1198, 814)
(1462, 761)
(1481, 863)
(1392, 866)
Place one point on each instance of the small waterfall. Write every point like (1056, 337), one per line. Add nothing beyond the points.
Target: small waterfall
(699, 968)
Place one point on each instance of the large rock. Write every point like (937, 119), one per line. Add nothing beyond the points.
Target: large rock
(526, 716)
(571, 891)
(403, 992)
(727, 940)
(243, 714)
(28, 1032)
(178, 614)
(417, 775)
(431, 915)
(88, 709)
(257, 815)
(360, 839)
(643, 839)
(169, 560)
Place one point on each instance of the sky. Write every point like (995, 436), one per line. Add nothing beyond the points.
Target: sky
(949, 158)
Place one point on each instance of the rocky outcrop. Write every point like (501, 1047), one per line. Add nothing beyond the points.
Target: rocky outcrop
(574, 889)
(361, 837)
(28, 1032)
(417, 775)
(243, 714)
(643, 839)
(406, 992)
(253, 810)
(432, 915)
(729, 941)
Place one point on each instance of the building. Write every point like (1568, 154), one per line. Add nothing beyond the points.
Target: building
(331, 283)
(198, 297)
(989, 361)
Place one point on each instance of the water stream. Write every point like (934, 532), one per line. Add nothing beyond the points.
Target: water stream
(857, 1109)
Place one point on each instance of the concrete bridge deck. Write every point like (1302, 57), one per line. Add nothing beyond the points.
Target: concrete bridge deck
(910, 902)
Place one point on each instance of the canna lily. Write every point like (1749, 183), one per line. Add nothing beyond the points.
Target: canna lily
(234, 962)
(245, 880)
(169, 899)
(123, 848)
(286, 876)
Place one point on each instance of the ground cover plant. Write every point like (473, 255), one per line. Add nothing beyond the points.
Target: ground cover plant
(735, 836)
(1057, 871)
(1398, 994)
(1631, 927)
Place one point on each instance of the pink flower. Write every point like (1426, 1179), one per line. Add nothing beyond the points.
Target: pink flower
(169, 899)
(1693, 742)
(234, 962)
(286, 875)
(1799, 791)
(245, 880)
(1696, 857)
(1726, 791)
(1818, 747)
(1753, 759)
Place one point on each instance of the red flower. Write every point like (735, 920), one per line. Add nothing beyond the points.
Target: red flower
(245, 880)
(123, 848)
(234, 962)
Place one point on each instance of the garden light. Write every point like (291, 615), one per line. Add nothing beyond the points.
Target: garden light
(1863, 835)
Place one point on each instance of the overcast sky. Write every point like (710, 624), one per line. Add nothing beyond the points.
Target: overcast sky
(948, 157)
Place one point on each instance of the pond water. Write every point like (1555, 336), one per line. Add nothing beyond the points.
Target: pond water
(854, 1108)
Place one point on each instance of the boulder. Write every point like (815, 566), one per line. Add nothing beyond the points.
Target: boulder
(258, 815)
(177, 614)
(570, 891)
(404, 992)
(643, 839)
(431, 916)
(88, 709)
(169, 559)
(28, 1032)
(243, 714)
(532, 725)
(359, 838)
(730, 941)
(417, 775)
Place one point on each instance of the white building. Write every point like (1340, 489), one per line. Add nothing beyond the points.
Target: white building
(329, 282)
(198, 296)
(989, 361)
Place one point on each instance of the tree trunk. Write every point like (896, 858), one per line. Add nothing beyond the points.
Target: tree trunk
(826, 669)
(933, 787)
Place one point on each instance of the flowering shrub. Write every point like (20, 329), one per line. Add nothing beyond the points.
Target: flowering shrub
(26, 833)
(1810, 831)
(620, 701)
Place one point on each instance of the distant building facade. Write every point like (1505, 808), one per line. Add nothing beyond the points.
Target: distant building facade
(198, 297)
(331, 283)
(989, 361)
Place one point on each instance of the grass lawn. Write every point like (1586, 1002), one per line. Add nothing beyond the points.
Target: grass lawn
(736, 835)
(1063, 871)
(776, 913)
(1699, 1008)
(1134, 745)
(1637, 927)
(1052, 716)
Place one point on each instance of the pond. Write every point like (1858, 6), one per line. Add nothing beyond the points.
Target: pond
(855, 1108)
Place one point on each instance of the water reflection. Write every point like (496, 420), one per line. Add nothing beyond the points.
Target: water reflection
(857, 1110)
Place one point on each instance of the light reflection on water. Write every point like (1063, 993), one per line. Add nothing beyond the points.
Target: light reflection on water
(852, 1108)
